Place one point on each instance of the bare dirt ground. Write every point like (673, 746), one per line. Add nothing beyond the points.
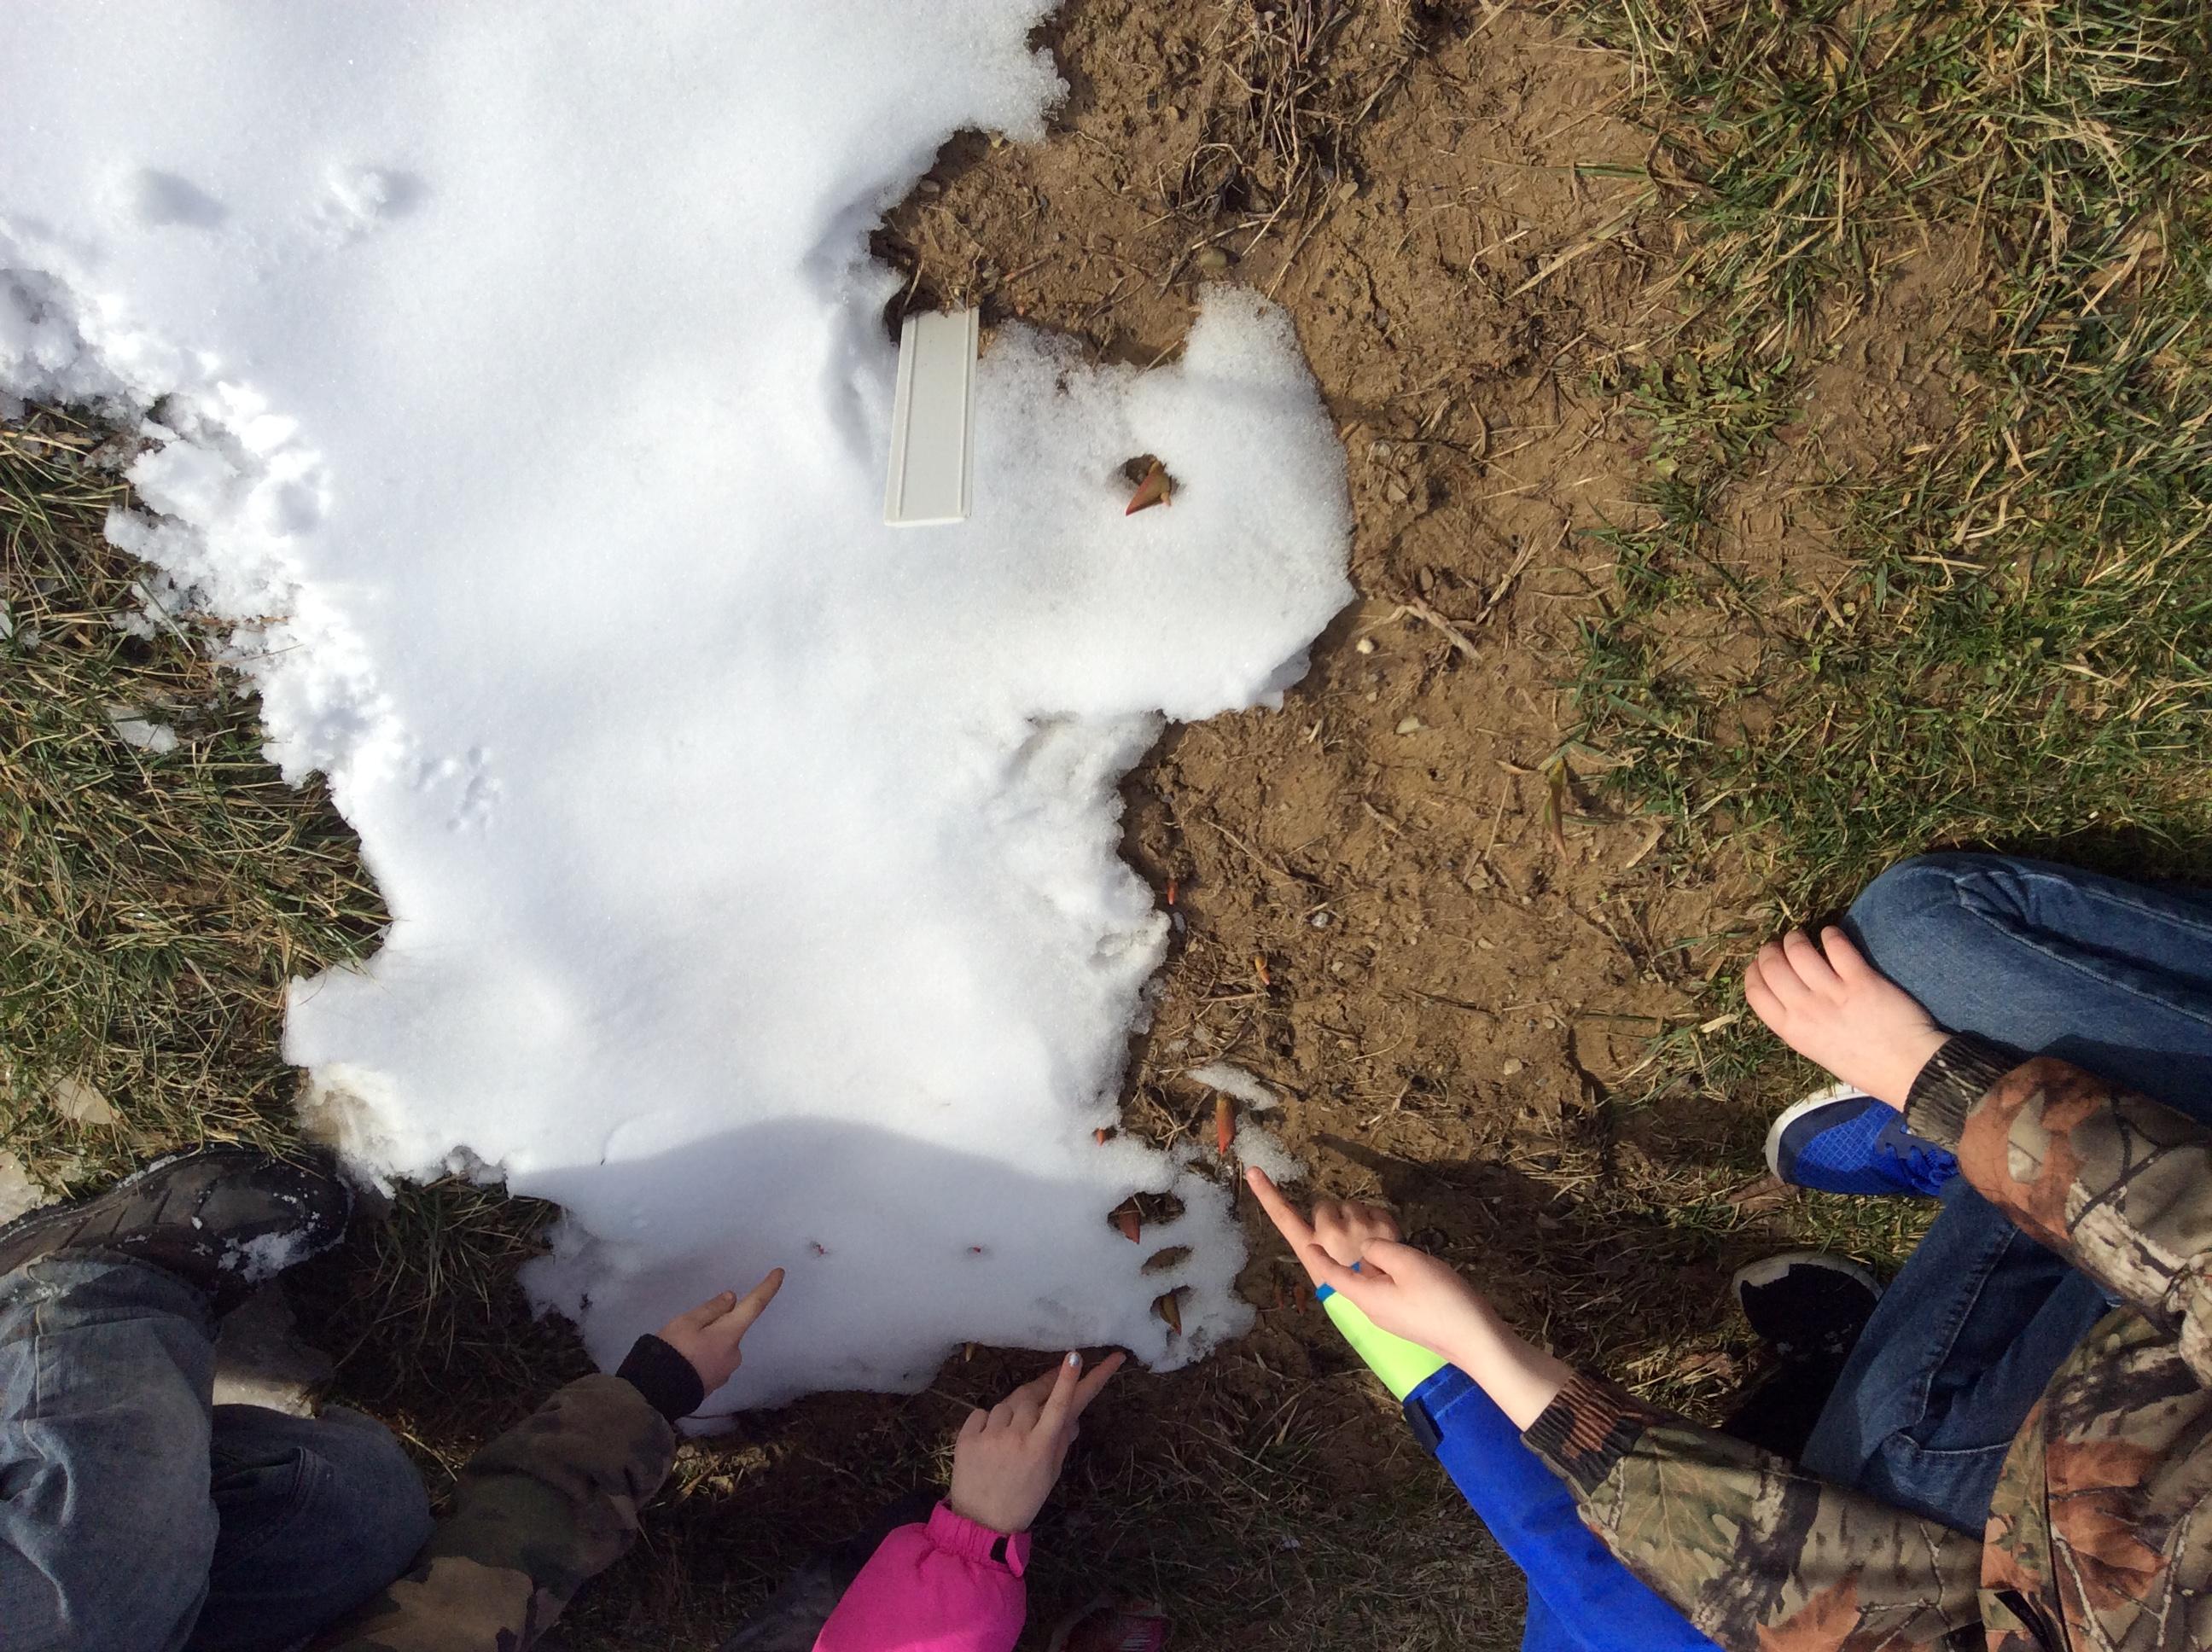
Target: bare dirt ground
(1402, 905)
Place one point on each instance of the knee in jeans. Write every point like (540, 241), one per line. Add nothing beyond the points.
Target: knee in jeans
(1914, 901)
(393, 1507)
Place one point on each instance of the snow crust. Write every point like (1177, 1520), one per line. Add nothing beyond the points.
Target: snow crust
(1233, 1080)
(518, 388)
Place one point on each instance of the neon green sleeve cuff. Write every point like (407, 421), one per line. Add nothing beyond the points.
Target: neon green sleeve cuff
(1403, 1366)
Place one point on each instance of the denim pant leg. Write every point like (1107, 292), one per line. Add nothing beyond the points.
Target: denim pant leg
(318, 1515)
(2112, 976)
(107, 1528)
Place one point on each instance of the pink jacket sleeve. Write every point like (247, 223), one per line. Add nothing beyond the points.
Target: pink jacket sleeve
(951, 1586)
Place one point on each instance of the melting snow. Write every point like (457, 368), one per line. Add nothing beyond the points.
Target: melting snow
(517, 386)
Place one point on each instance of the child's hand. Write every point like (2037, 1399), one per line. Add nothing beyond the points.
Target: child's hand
(1341, 1230)
(708, 1335)
(1411, 1294)
(1831, 1006)
(1420, 1298)
(1006, 1461)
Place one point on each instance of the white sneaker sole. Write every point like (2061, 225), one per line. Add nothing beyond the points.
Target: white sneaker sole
(1796, 1111)
(1767, 1270)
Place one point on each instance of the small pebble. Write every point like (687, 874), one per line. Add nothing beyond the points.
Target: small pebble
(1319, 921)
(1365, 645)
(1379, 449)
(1511, 1067)
(1396, 494)
(1410, 725)
(931, 186)
(1213, 260)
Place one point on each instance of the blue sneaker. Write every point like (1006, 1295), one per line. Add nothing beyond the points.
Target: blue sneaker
(1841, 1141)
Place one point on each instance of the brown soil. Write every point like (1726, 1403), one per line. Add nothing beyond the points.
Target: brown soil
(1400, 903)
(1388, 911)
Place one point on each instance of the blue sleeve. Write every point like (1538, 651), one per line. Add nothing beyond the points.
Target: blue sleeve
(1580, 1599)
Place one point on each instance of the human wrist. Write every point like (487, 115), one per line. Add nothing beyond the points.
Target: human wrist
(1521, 1378)
(991, 1520)
(1478, 1339)
(1904, 1064)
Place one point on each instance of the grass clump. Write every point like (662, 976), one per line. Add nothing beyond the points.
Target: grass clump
(159, 885)
(2008, 644)
(156, 893)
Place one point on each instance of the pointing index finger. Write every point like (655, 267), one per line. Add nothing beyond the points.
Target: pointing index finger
(1288, 1222)
(1095, 1379)
(750, 1306)
(1059, 1404)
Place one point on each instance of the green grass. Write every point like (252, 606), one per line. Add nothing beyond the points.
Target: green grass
(2017, 652)
(151, 905)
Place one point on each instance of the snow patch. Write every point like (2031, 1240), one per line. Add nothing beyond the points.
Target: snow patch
(139, 731)
(1232, 1080)
(259, 1260)
(515, 388)
(1259, 1149)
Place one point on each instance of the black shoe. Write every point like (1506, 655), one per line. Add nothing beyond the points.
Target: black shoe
(224, 1220)
(1806, 1303)
(1809, 1309)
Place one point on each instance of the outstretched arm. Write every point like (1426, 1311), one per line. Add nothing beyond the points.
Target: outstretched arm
(554, 1502)
(1603, 1606)
(1750, 1550)
(954, 1584)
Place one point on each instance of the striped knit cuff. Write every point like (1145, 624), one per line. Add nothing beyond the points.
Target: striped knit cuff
(1588, 1427)
(1951, 1085)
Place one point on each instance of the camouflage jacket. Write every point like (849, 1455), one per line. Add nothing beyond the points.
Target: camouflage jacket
(536, 1513)
(2099, 1534)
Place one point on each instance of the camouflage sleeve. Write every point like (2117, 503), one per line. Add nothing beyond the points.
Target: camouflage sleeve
(2118, 1184)
(1758, 1554)
(536, 1513)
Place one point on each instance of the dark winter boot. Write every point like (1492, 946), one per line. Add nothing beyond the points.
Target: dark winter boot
(224, 1220)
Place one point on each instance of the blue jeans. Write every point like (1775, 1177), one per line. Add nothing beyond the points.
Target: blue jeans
(2111, 976)
(136, 1516)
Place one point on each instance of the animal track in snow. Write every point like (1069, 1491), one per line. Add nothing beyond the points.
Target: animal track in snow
(153, 199)
(470, 776)
(358, 200)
